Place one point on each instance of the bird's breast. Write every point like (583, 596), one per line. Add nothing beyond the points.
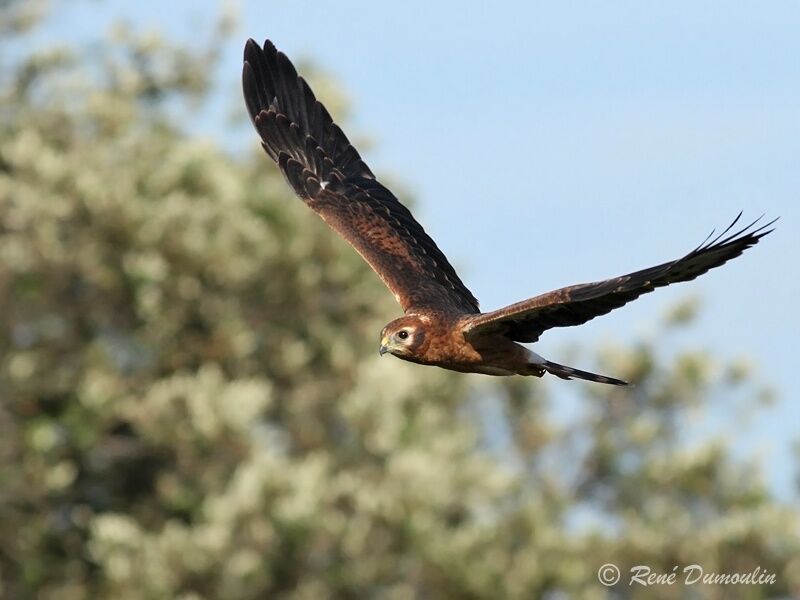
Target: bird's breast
(449, 346)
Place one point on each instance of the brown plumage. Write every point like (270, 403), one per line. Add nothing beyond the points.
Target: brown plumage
(442, 325)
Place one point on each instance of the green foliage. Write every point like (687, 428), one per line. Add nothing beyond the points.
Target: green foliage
(192, 405)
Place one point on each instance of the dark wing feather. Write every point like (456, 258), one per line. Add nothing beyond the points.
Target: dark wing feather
(326, 171)
(525, 321)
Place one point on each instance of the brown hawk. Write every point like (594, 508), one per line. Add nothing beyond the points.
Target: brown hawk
(442, 324)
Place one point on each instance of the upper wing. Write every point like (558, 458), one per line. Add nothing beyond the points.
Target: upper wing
(326, 171)
(525, 321)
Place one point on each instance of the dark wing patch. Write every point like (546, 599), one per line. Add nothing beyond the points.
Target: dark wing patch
(326, 171)
(525, 321)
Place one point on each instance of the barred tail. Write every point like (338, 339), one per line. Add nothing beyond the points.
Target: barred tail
(565, 372)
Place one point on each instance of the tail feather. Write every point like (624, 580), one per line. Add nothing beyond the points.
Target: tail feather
(565, 372)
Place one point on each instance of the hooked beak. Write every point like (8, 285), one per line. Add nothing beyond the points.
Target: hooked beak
(384, 347)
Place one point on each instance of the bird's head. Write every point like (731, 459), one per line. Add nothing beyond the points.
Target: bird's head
(403, 337)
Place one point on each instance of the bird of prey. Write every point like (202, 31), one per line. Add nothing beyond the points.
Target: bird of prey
(442, 324)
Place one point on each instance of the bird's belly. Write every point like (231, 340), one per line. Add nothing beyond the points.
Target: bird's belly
(495, 355)
(475, 368)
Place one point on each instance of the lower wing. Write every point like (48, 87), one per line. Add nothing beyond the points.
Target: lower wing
(525, 321)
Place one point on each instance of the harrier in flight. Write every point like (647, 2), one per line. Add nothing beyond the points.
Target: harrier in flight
(442, 324)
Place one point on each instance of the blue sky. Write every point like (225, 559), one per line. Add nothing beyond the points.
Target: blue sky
(554, 143)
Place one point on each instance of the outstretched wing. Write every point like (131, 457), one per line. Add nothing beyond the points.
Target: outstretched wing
(326, 171)
(525, 321)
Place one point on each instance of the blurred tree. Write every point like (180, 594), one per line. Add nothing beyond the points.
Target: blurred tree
(192, 406)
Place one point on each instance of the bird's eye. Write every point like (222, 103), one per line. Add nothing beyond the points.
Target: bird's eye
(402, 334)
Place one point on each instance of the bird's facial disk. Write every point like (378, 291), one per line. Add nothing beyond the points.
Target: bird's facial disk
(400, 339)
